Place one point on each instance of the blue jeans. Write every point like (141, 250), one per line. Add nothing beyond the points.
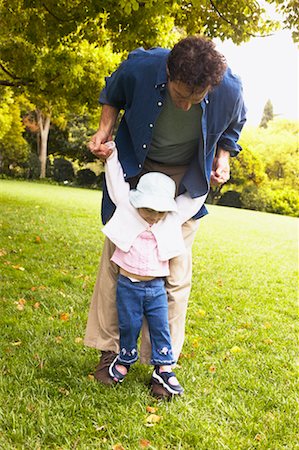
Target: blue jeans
(135, 300)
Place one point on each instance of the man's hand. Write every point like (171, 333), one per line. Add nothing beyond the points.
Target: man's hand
(98, 147)
(104, 134)
(220, 168)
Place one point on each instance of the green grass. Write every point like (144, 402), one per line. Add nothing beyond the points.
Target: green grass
(238, 365)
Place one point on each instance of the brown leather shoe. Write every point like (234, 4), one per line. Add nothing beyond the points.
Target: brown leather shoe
(159, 391)
(101, 373)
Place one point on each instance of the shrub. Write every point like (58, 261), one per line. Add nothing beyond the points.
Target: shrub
(86, 177)
(63, 170)
(280, 201)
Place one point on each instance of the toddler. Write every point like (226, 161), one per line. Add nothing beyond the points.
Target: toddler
(146, 230)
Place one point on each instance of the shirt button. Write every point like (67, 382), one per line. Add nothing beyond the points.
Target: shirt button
(151, 125)
(125, 175)
(156, 86)
(163, 85)
(139, 165)
(159, 103)
(144, 146)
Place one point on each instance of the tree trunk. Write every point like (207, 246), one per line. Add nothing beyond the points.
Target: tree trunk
(44, 126)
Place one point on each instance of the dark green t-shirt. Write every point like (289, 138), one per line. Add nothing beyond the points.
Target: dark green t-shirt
(177, 134)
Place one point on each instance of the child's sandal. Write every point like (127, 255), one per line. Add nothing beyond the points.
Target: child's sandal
(115, 374)
(163, 379)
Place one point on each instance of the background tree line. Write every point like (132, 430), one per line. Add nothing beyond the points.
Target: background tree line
(54, 57)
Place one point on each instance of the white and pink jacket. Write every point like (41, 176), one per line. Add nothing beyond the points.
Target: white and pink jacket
(126, 226)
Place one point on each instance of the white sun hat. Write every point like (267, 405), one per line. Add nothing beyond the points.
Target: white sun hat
(155, 191)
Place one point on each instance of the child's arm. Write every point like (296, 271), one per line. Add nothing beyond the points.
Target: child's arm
(118, 188)
(187, 206)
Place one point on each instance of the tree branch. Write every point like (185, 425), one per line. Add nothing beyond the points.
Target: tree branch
(14, 77)
(232, 24)
(17, 81)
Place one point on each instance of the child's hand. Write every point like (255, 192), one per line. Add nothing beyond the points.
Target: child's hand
(107, 149)
(101, 145)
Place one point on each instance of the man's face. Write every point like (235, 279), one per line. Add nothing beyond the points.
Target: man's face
(183, 96)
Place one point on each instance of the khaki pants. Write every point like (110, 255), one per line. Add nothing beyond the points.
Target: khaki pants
(102, 325)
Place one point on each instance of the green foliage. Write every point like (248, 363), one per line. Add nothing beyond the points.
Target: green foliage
(265, 174)
(290, 12)
(247, 169)
(267, 198)
(268, 114)
(13, 146)
(277, 147)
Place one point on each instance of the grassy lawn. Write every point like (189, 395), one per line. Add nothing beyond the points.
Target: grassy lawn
(238, 365)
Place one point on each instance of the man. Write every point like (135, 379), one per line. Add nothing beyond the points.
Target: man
(183, 113)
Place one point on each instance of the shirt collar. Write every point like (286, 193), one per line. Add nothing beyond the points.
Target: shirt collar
(162, 75)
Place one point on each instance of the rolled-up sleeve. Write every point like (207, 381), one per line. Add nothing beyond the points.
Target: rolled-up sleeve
(229, 139)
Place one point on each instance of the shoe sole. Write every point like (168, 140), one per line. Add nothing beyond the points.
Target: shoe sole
(160, 380)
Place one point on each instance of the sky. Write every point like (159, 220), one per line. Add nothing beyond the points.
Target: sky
(268, 68)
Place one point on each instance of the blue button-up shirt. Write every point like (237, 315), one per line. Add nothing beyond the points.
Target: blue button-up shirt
(138, 87)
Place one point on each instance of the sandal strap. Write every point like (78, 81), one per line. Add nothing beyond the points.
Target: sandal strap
(114, 373)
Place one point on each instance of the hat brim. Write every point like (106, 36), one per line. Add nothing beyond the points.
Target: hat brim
(162, 204)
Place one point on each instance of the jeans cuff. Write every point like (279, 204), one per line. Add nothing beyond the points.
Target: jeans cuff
(162, 362)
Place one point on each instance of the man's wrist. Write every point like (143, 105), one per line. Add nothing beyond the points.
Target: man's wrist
(221, 153)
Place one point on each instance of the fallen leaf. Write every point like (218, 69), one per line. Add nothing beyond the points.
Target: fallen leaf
(220, 283)
(20, 307)
(144, 443)
(247, 325)
(21, 304)
(268, 341)
(18, 267)
(267, 325)
(90, 376)
(151, 409)
(235, 349)
(38, 239)
(258, 437)
(186, 355)
(78, 340)
(229, 308)
(16, 344)
(212, 369)
(201, 313)
(36, 305)
(118, 447)
(3, 252)
(64, 316)
(58, 339)
(195, 342)
(100, 427)
(63, 391)
(153, 418)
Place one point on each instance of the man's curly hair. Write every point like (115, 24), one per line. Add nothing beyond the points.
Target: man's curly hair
(196, 62)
